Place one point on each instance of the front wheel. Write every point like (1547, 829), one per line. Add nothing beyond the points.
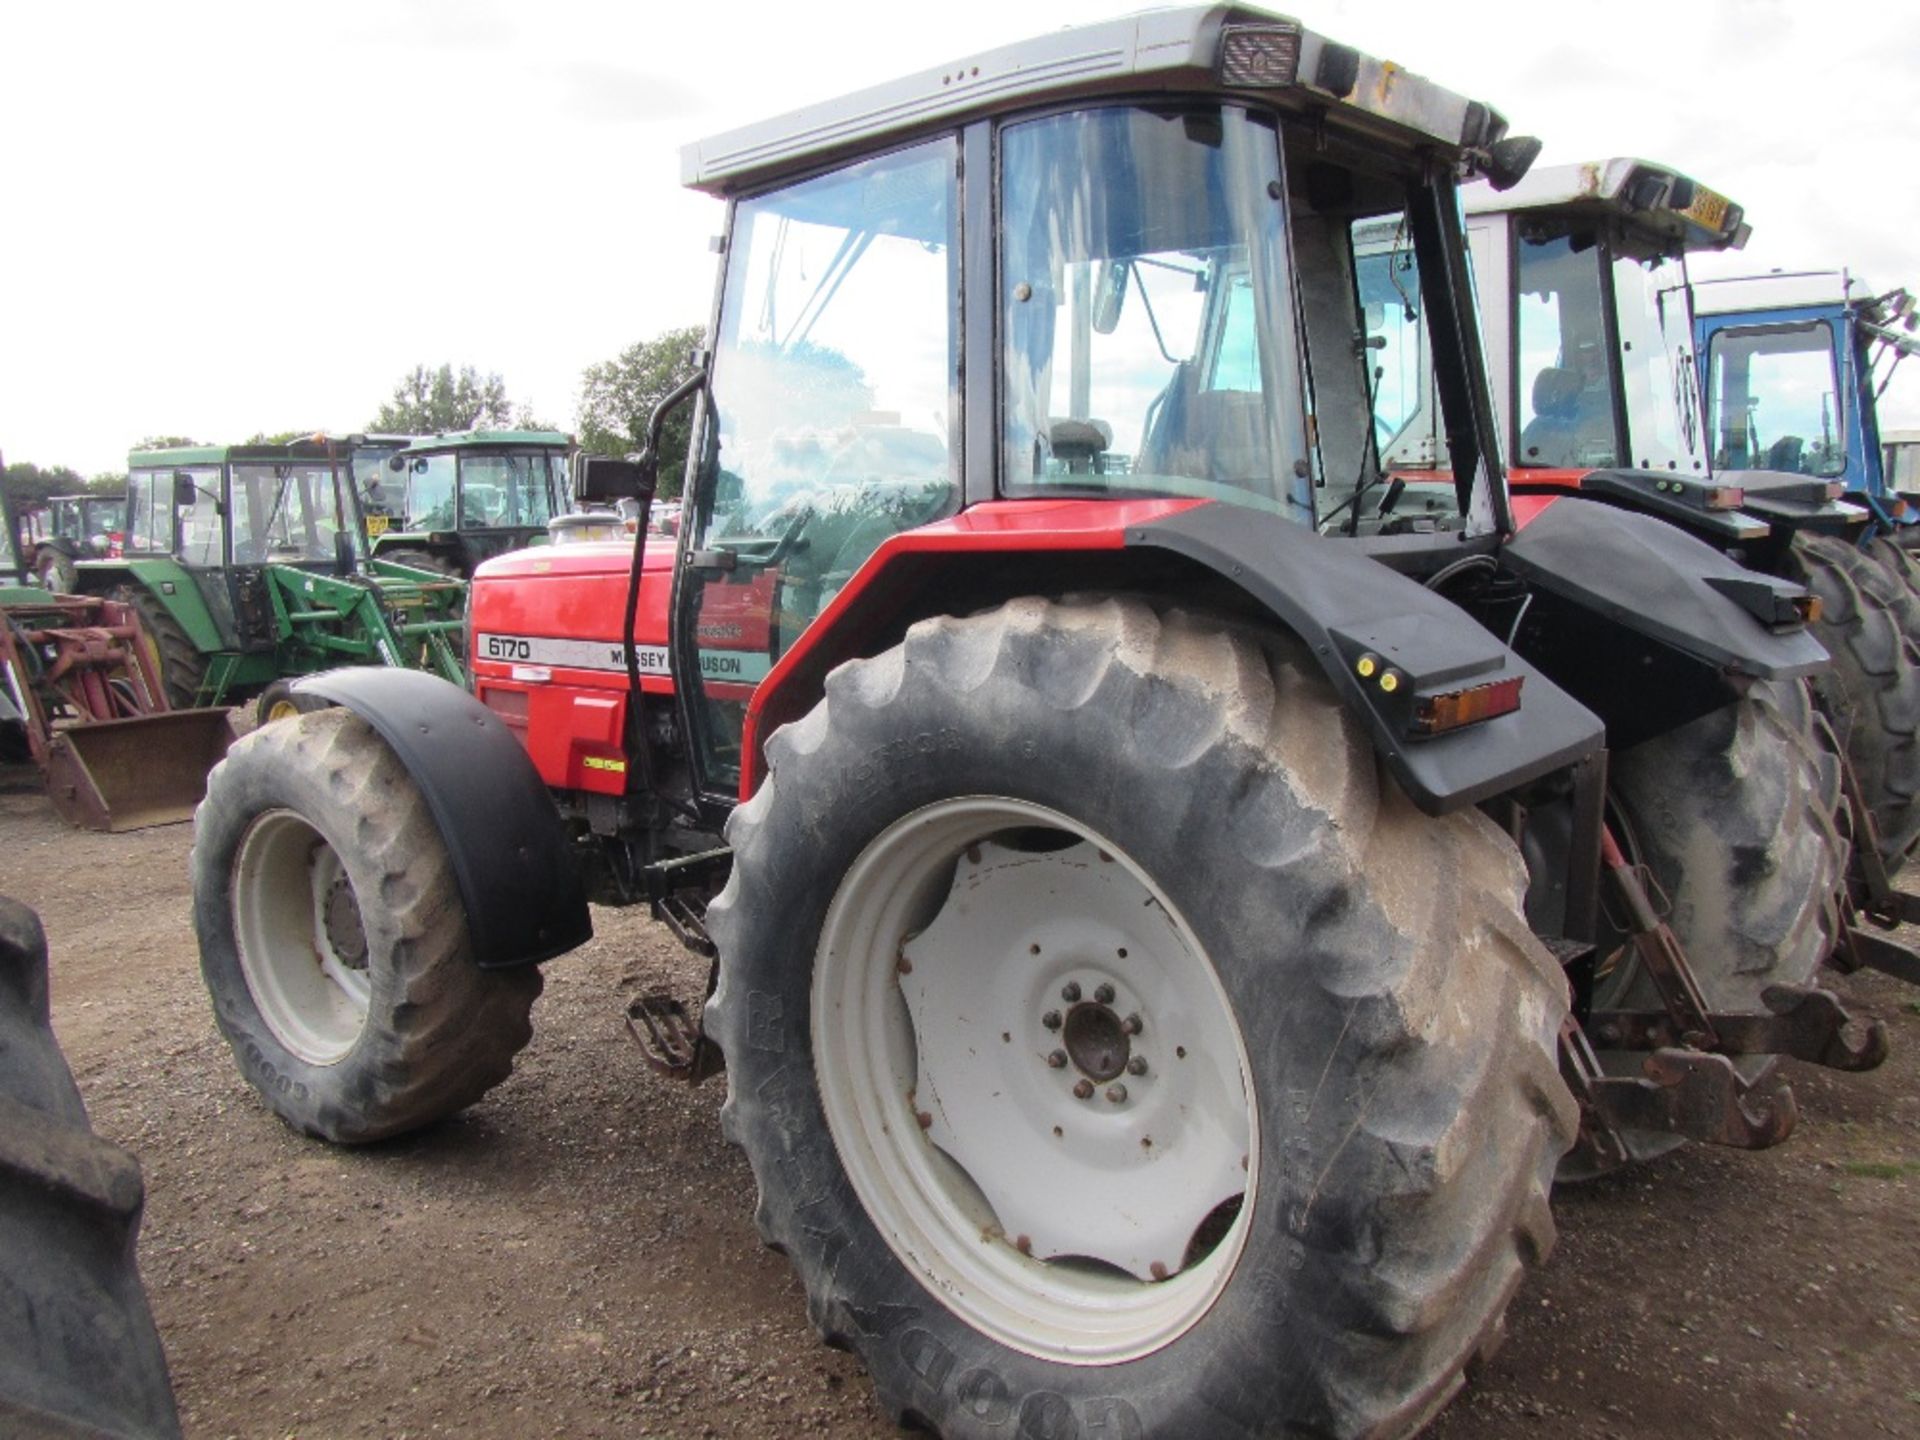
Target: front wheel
(333, 940)
(1117, 1053)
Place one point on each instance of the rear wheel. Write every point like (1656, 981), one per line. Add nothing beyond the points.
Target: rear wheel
(183, 668)
(1873, 688)
(79, 1354)
(1733, 817)
(1114, 1050)
(333, 941)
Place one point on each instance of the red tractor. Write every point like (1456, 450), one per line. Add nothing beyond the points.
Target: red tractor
(1160, 958)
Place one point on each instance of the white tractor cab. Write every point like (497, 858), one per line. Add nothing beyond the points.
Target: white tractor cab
(1155, 932)
(1586, 318)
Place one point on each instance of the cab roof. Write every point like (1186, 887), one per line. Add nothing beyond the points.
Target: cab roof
(1223, 49)
(1655, 200)
(303, 450)
(473, 439)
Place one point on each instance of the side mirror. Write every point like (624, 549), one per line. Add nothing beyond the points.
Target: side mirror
(1110, 294)
(185, 492)
(1509, 160)
(598, 480)
(396, 463)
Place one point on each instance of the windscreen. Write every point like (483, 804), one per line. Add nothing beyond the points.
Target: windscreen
(430, 492)
(515, 490)
(830, 424)
(283, 512)
(1772, 396)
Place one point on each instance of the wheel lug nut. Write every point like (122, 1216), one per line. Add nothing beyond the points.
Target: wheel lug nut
(1104, 994)
(1131, 1025)
(1116, 1093)
(1057, 1060)
(1083, 1090)
(1137, 1065)
(1051, 1019)
(1070, 991)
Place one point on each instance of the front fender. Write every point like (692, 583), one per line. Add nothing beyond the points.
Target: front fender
(524, 897)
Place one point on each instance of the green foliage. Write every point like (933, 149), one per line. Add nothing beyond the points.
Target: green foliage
(426, 402)
(112, 483)
(30, 486)
(169, 442)
(618, 396)
(278, 437)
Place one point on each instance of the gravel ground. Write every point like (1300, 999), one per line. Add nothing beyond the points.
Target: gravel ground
(576, 1255)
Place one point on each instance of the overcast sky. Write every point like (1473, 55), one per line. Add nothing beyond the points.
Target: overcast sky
(228, 218)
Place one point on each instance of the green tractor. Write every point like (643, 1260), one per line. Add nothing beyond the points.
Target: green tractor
(248, 565)
(467, 496)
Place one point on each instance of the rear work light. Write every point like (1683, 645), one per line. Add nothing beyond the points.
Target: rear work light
(1725, 497)
(1451, 709)
(1259, 56)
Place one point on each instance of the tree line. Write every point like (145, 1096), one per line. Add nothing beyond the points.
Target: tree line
(616, 398)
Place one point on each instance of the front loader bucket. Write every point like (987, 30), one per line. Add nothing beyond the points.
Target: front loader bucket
(126, 774)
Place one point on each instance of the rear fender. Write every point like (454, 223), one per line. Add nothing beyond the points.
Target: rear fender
(523, 894)
(1647, 625)
(1326, 592)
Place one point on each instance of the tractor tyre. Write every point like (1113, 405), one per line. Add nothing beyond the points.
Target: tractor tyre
(279, 701)
(333, 940)
(1873, 687)
(54, 570)
(183, 668)
(1901, 563)
(1733, 816)
(79, 1355)
(1117, 1052)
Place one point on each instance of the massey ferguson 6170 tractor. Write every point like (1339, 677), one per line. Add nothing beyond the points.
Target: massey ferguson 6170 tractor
(1161, 955)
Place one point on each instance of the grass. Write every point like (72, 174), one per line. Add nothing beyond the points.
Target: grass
(1882, 1169)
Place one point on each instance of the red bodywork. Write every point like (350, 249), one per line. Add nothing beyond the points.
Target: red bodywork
(547, 654)
(571, 716)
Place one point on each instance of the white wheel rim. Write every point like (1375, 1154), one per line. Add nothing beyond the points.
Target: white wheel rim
(1039, 1216)
(302, 948)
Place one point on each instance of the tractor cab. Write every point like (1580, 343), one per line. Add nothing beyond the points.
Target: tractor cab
(249, 562)
(1031, 286)
(222, 515)
(1794, 365)
(73, 528)
(1586, 309)
(451, 501)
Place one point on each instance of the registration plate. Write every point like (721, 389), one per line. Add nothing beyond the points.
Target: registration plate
(1708, 210)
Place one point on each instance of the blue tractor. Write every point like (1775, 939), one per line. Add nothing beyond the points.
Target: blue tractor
(1792, 366)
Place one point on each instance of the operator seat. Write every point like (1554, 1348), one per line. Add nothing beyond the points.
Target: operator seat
(1552, 435)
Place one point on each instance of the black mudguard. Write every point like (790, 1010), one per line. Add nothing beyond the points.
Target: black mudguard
(1643, 574)
(524, 896)
(1344, 608)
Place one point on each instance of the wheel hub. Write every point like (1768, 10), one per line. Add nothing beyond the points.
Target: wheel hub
(346, 934)
(1096, 1043)
(1031, 992)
